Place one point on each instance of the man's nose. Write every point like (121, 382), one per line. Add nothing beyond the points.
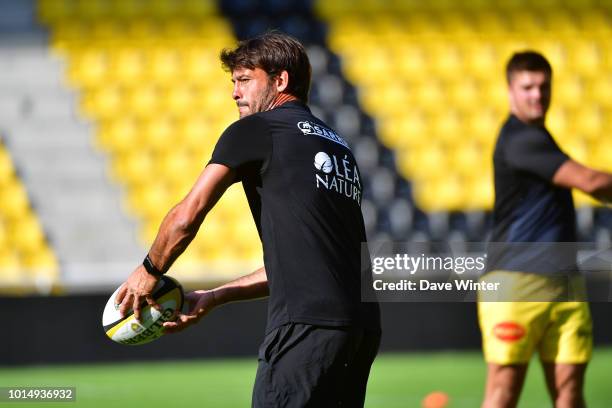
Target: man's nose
(537, 93)
(236, 92)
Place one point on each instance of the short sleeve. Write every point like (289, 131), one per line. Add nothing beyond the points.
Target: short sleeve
(536, 152)
(245, 146)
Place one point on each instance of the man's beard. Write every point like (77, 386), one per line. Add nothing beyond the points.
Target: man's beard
(264, 102)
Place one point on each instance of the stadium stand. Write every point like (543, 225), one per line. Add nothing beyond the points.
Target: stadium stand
(25, 257)
(132, 97)
(149, 78)
(430, 73)
(74, 205)
(27, 262)
(387, 204)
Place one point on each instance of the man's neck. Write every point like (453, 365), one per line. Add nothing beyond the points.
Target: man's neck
(537, 122)
(282, 98)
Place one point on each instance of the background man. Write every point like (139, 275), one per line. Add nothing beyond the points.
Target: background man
(303, 187)
(533, 204)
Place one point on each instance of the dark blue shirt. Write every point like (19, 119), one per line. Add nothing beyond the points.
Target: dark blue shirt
(529, 208)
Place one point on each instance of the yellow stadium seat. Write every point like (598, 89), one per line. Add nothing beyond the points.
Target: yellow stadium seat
(103, 102)
(216, 103)
(50, 11)
(26, 234)
(510, 5)
(569, 91)
(127, 65)
(398, 132)
(41, 263)
(199, 8)
(150, 201)
(92, 9)
(195, 131)
(439, 194)
(411, 60)
(143, 100)
(164, 65)
(67, 37)
(10, 266)
(426, 161)
(446, 59)
(14, 202)
(88, 68)
(178, 29)
(199, 64)
(599, 89)
(6, 167)
(430, 95)
(464, 94)
(159, 133)
(163, 9)
(480, 193)
(575, 147)
(480, 59)
(133, 168)
(493, 22)
(593, 21)
(600, 153)
(128, 8)
(447, 127)
(585, 58)
(178, 100)
(557, 121)
(177, 167)
(457, 23)
(4, 238)
(118, 135)
(106, 32)
(142, 31)
(560, 22)
(588, 121)
(467, 156)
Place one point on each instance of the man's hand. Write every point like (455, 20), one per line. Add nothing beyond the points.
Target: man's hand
(139, 285)
(200, 303)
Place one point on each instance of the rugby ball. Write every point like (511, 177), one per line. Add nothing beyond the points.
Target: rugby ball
(127, 330)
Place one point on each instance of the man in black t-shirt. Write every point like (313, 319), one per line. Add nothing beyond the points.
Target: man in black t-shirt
(304, 190)
(532, 246)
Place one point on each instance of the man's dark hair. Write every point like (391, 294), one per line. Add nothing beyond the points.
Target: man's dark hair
(527, 61)
(273, 52)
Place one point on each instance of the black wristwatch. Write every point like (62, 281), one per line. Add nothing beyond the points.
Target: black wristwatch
(148, 265)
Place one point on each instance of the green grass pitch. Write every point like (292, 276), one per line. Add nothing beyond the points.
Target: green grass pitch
(397, 380)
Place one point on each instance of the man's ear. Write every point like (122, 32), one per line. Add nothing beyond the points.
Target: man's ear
(282, 81)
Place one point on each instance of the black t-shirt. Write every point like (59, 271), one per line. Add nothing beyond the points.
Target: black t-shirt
(529, 208)
(304, 190)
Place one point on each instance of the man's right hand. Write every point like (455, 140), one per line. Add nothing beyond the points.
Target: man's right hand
(138, 287)
(200, 303)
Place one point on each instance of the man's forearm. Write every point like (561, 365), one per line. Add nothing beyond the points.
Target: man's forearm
(248, 287)
(603, 188)
(173, 237)
(183, 221)
(593, 182)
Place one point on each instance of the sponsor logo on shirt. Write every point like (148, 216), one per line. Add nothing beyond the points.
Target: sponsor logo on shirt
(309, 128)
(338, 174)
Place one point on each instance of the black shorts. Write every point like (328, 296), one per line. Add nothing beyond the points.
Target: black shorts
(302, 365)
